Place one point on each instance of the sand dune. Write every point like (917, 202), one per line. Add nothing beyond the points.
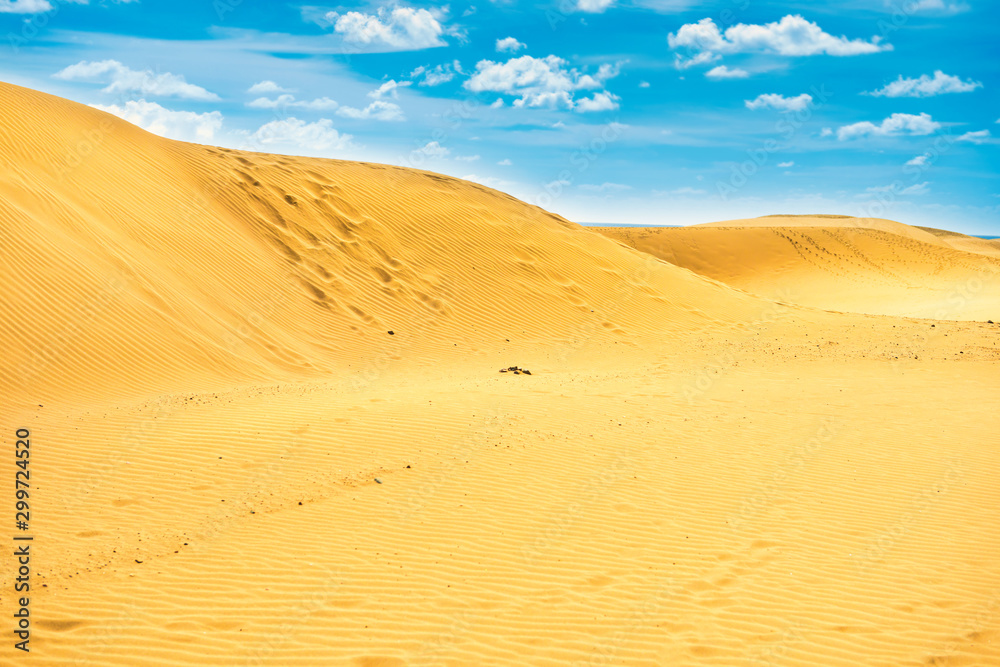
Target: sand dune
(235, 463)
(878, 267)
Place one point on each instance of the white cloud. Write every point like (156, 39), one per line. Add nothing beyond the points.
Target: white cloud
(593, 6)
(980, 137)
(497, 103)
(24, 6)
(302, 135)
(605, 187)
(687, 191)
(264, 87)
(779, 102)
(466, 158)
(505, 163)
(125, 80)
(389, 89)
(289, 102)
(434, 149)
(919, 161)
(723, 72)
(897, 123)
(379, 110)
(935, 7)
(662, 6)
(603, 101)
(644, 84)
(181, 125)
(399, 28)
(437, 75)
(544, 82)
(926, 86)
(785, 165)
(791, 36)
(510, 45)
(826, 132)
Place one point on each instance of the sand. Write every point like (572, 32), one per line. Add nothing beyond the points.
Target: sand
(234, 462)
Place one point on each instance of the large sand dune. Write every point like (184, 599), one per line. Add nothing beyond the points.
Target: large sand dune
(837, 263)
(234, 462)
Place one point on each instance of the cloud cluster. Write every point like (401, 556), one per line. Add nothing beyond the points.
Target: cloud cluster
(320, 135)
(289, 102)
(791, 36)
(926, 86)
(181, 125)
(723, 72)
(779, 102)
(399, 28)
(897, 123)
(435, 76)
(122, 79)
(510, 45)
(389, 89)
(593, 6)
(544, 82)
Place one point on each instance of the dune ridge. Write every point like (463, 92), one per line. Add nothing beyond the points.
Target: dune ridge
(877, 267)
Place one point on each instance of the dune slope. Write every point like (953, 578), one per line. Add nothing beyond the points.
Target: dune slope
(882, 268)
(234, 462)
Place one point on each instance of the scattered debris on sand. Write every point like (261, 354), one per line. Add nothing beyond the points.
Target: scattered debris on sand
(515, 370)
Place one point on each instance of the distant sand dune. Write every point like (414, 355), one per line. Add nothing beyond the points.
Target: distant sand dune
(268, 427)
(879, 267)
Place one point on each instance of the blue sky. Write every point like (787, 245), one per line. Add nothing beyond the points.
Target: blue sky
(618, 111)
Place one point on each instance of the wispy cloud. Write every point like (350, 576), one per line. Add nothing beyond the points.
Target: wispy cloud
(913, 190)
(897, 123)
(936, 7)
(377, 110)
(24, 6)
(926, 86)
(779, 102)
(289, 102)
(435, 76)
(980, 137)
(723, 72)
(265, 87)
(605, 187)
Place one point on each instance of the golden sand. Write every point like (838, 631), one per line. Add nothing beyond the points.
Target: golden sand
(234, 462)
